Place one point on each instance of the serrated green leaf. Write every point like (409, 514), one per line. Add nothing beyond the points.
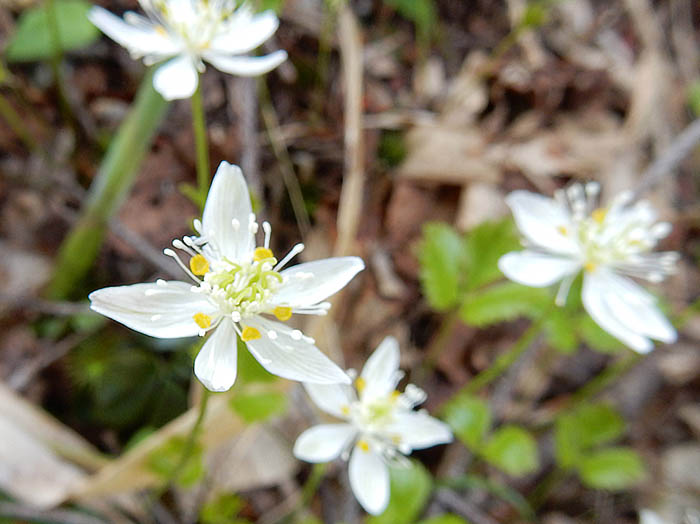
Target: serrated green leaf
(470, 418)
(503, 302)
(441, 257)
(256, 407)
(512, 449)
(410, 489)
(612, 469)
(484, 245)
(588, 426)
(595, 337)
(448, 518)
(167, 458)
(33, 41)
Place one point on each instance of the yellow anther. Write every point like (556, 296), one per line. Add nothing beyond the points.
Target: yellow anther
(345, 410)
(563, 230)
(363, 445)
(250, 333)
(282, 313)
(590, 267)
(599, 215)
(199, 265)
(360, 384)
(396, 439)
(161, 30)
(261, 253)
(395, 395)
(202, 320)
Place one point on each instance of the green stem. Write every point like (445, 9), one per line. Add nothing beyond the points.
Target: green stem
(191, 441)
(8, 113)
(504, 361)
(57, 60)
(200, 141)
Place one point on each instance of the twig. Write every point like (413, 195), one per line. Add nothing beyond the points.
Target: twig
(12, 511)
(681, 146)
(453, 501)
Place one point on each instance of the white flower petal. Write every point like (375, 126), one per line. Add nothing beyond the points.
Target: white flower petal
(334, 399)
(228, 203)
(381, 371)
(216, 363)
(291, 355)
(140, 39)
(177, 78)
(246, 33)
(163, 311)
(625, 310)
(309, 283)
(418, 430)
(541, 219)
(536, 269)
(369, 480)
(323, 443)
(245, 65)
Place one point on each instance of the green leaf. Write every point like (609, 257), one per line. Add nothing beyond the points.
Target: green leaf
(447, 518)
(421, 12)
(503, 302)
(588, 426)
(595, 337)
(164, 460)
(470, 418)
(484, 245)
(441, 256)
(694, 98)
(560, 332)
(249, 369)
(613, 469)
(256, 407)
(410, 489)
(275, 5)
(222, 510)
(33, 39)
(512, 449)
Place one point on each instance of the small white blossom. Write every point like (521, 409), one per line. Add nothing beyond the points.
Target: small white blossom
(380, 426)
(570, 233)
(189, 32)
(235, 288)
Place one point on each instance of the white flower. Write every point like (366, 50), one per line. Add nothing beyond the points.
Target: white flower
(235, 286)
(189, 32)
(569, 233)
(380, 426)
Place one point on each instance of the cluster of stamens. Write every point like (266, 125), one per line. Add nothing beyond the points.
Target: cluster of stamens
(620, 236)
(239, 289)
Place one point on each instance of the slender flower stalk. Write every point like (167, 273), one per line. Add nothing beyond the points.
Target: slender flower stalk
(379, 426)
(186, 33)
(235, 288)
(571, 233)
(200, 140)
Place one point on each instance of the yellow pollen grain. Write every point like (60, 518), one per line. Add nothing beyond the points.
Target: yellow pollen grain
(202, 320)
(199, 265)
(250, 333)
(599, 215)
(282, 313)
(360, 384)
(563, 230)
(590, 267)
(363, 445)
(261, 253)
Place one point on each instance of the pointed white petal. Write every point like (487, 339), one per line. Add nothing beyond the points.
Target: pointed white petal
(625, 310)
(176, 78)
(381, 371)
(228, 203)
(140, 39)
(244, 35)
(536, 269)
(334, 399)
(245, 65)
(215, 365)
(369, 480)
(309, 283)
(323, 443)
(541, 219)
(418, 430)
(159, 311)
(287, 353)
